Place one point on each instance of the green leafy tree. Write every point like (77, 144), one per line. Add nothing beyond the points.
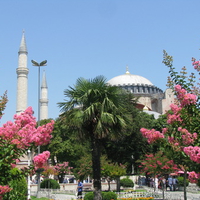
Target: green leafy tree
(96, 110)
(3, 101)
(84, 167)
(65, 146)
(113, 171)
(132, 145)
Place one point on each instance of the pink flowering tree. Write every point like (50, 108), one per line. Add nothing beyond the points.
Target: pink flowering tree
(16, 138)
(180, 138)
(157, 164)
(62, 170)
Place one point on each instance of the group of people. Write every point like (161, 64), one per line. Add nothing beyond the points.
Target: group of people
(163, 182)
(172, 183)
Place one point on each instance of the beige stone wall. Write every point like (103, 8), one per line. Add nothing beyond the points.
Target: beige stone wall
(168, 100)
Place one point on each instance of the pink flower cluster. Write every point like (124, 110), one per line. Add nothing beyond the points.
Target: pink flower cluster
(41, 159)
(184, 97)
(23, 131)
(151, 135)
(175, 117)
(158, 163)
(4, 189)
(187, 137)
(193, 153)
(196, 64)
(174, 142)
(193, 177)
(63, 168)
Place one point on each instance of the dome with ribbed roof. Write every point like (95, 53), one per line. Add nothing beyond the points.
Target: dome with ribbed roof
(129, 79)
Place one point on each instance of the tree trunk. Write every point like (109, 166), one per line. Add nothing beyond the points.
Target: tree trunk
(118, 184)
(185, 192)
(96, 166)
(163, 189)
(108, 185)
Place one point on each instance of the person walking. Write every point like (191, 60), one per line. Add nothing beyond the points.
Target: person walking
(156, 183)
(175, 182)
(80, 189)
(170, 183)
(164, 183)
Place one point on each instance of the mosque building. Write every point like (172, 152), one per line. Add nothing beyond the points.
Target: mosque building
(151, 99)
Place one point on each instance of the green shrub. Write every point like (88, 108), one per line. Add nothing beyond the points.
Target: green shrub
(18, 185)
(126, 182)
(181, 181)
(49, 183)
(105, 196)
(109, 196)
(89, 196)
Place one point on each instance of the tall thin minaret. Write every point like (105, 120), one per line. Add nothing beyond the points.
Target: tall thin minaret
(44, 98)
(22, 77)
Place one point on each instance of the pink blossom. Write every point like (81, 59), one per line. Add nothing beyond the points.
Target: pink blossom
(184, 97)
(193, 153)
(41, 159)
(23, 132)
(193, 177)
(151, 135)
(196, 64)
(164, 130)
(4, 189)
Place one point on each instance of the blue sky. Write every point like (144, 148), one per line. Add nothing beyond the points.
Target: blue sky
(87, 38)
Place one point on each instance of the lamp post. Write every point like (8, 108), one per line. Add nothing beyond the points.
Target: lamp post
(43, 63)
(29, 187)
(36, 64)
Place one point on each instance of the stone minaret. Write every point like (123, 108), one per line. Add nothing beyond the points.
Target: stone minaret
(44, 99)
(22, 77)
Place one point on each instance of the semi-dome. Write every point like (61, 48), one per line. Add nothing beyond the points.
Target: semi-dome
(129, 79)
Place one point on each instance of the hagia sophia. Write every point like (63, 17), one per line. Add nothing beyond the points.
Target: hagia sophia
(151, 98)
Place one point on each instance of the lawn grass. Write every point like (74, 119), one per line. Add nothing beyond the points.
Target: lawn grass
(42, 198)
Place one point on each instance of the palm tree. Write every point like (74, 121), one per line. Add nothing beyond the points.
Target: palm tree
(96, 110)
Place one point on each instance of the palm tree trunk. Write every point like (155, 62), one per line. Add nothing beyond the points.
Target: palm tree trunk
(96, 166)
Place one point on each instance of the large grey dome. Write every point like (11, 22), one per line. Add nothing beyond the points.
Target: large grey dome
(129, 79)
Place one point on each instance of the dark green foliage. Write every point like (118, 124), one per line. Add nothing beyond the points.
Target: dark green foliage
(50, 183)
(109, 196)
(18, 185)
(89, 196)
(181, 181)
(105, 196)
(198, 183)
(126, 182)
(131, 146)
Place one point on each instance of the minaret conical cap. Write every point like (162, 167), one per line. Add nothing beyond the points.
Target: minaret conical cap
(23, 47)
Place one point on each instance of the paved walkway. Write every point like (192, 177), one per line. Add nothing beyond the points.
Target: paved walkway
(177, 195)
(169, 195)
